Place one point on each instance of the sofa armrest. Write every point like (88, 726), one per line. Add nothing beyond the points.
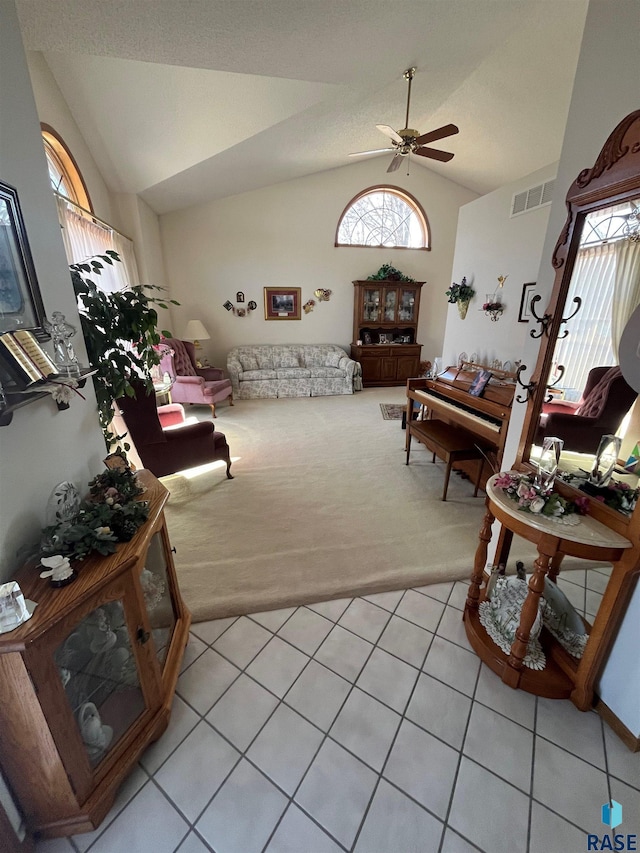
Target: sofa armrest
(234, 369)
(347, 364)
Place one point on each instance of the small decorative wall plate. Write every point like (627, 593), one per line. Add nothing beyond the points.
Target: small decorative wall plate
(239, 296)
(240, 312)
(64, 502)
(323, 295)
(252, 305)
(228, 305)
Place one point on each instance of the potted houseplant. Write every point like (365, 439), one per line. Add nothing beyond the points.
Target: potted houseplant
(460, 295)
(120, 333)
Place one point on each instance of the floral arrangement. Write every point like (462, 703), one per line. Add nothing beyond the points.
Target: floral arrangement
(522, 488)
(493, 306)
(110, 514)
(619, 496)
(460, 292)
(389, 273)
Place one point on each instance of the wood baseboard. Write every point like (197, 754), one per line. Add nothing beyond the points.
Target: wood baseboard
(617, 726)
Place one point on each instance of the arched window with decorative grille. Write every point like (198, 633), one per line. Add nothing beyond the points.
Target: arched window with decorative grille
(64, 173)
(384, 217)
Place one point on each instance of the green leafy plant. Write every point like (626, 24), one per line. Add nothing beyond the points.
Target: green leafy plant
(110, 514)
(389, 273)
(120, 333)
(460, 292)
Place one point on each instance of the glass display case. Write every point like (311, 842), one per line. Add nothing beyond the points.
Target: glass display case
(385, 323)
(86, 684)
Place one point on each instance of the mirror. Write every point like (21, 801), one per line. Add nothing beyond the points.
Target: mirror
(580, 395)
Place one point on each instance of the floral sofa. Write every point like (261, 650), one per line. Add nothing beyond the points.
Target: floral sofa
(292, 370)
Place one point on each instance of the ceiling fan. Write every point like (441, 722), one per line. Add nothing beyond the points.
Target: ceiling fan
(409, 141)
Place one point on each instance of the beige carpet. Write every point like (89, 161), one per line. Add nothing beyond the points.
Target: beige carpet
(322, 506)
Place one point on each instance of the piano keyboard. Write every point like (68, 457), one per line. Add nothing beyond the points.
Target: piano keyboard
(463, 415)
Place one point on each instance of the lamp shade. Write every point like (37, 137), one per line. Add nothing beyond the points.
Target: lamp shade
(195, 331)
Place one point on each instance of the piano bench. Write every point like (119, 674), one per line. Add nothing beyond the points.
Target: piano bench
(449, 443)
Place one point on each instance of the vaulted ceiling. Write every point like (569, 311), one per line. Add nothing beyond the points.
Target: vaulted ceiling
(182, 101)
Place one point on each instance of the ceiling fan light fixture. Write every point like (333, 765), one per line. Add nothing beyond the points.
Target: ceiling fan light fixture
(409, 140)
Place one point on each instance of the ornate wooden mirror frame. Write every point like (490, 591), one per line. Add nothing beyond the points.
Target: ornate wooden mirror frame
(614, 179)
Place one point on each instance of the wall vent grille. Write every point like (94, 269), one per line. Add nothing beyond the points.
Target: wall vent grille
(532, 198)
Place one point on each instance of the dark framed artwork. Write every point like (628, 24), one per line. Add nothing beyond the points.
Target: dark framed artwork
(528, 292)
(476, 389)
(21, 304)
(281, 303)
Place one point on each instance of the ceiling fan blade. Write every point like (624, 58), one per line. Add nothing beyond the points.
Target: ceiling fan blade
(434, 154)
(390, 132)
(439, 133)
(373, 151)
(395, 163)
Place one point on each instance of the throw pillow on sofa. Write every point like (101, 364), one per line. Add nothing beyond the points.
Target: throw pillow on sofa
(333, 359)
(248, 362)
(288, 361)
(265, 362)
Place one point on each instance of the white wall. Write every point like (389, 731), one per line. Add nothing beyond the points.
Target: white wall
(284, 236)
(41, 446)
(53, 110)
(491, 243)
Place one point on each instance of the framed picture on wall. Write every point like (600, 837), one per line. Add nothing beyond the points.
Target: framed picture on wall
(20, 301)
(528, 292)
(281, 303)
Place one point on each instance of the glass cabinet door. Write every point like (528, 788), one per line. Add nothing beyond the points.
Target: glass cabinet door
(157, 597)
(390, 300)
(406, 310)
(371, 310)
(97, 666)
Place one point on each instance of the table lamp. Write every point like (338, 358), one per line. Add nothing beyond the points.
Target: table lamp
(196, 332)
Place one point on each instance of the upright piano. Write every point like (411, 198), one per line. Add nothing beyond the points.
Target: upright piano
(486, 418)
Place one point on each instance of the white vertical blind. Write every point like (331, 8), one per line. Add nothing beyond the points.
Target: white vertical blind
(588, 343)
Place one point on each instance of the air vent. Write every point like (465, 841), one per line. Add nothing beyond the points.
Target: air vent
(532, 198)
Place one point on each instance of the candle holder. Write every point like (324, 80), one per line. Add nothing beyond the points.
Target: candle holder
(606, 460)
(547, 464)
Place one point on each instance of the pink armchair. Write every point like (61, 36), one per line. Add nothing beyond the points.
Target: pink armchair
(193, 384)
(166, 451)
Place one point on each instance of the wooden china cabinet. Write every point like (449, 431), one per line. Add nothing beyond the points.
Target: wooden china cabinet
(385, 322)
(612, 184)
(87, 683)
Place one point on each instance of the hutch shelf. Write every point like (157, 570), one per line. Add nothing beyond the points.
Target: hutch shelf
(385, 323)
(87, 683)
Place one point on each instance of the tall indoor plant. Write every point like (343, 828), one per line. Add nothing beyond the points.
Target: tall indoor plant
(121, 334)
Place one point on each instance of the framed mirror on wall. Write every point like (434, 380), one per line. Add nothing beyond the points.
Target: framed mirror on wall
(580, 393)
(21, 304)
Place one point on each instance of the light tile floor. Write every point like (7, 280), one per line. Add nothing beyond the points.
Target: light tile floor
(364, 725)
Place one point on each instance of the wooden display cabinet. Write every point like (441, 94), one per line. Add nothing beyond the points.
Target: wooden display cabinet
(87, 683)
(385, 320)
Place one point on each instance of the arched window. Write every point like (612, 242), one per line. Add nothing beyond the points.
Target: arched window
(384, 217)
(63, 170)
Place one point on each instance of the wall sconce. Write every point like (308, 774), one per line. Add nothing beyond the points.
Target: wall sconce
(493, 307)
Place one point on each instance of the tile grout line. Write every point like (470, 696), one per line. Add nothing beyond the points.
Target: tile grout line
(459, 763)
(390, 750)
(321, 744)
(533, 768)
